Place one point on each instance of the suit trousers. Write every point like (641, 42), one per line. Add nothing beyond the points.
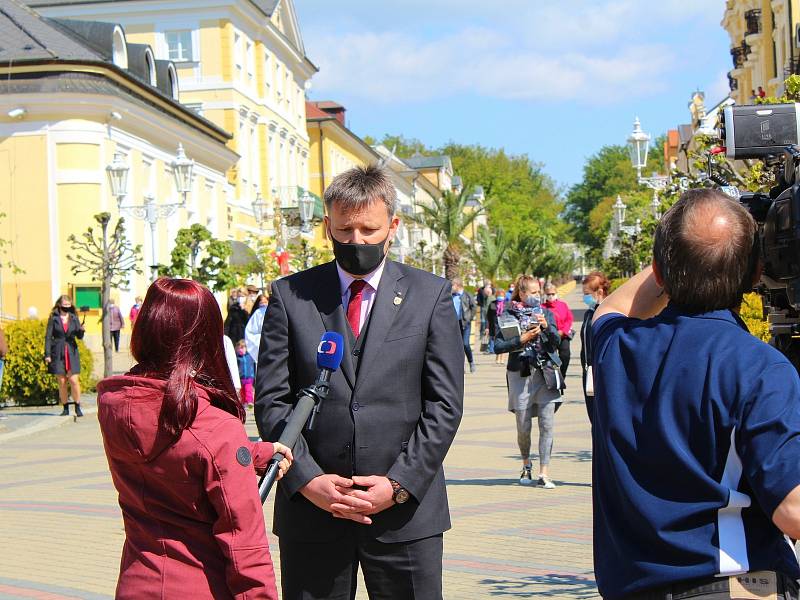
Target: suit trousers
(328, 571)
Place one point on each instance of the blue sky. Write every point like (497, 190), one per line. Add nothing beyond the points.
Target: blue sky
(554, 79)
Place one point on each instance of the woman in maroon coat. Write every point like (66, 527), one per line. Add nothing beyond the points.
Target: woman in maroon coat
(181, 461)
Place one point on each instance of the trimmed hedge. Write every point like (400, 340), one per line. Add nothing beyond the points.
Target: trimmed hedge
(25, 379)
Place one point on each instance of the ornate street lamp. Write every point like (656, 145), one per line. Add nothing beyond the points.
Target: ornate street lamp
(619, 210)
(182, 170)
(306, 211)
(260, 209)
(118, 177)
(638, 145)
(655, 206)
(149, 211)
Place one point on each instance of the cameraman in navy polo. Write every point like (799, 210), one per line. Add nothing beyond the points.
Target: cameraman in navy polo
(696, 435)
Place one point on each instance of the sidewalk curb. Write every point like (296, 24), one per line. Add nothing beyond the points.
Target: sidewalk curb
(43, 425)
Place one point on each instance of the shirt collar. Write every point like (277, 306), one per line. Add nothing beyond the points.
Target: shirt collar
(675, 310)
(372, 279)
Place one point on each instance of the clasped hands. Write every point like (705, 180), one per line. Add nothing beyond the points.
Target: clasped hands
(355, 498)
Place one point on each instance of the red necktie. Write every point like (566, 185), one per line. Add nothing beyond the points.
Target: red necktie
(354, 305)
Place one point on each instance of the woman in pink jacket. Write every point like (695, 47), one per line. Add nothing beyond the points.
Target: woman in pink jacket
(181, 461)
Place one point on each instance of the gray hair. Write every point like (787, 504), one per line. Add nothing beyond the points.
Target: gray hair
(357, 188)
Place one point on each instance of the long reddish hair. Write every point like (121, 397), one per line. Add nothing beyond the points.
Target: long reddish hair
(177, 337)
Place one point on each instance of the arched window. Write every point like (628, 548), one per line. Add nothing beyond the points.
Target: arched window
(172, 74)
(119, 48)
(151, 66)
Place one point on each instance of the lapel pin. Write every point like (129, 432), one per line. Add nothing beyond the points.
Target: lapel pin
(398, 300)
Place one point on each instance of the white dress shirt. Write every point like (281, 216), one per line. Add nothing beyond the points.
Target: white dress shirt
(252, 332)
(230, 358)
(367, 295)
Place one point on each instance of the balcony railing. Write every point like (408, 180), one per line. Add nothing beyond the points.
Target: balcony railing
(792, 68)
(752, 20)
(738, 56)
(289, 196)
(733, 83)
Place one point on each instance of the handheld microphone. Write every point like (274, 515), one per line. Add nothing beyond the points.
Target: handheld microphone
(329, 357)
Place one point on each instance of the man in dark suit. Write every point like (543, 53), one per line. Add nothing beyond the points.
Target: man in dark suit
(367, 486)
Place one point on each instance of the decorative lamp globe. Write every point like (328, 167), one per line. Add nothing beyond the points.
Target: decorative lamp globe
(619, 210)
(182, 170)
(118, 176)
(260, 208)
(638, 145)
(306, 210)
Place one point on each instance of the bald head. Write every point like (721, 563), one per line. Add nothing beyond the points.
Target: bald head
(704, 251)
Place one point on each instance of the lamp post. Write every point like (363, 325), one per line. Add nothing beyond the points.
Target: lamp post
(638, 146)
(182, 168)
(306, 205)
(619, 211)
(261, 209)
(149, 211)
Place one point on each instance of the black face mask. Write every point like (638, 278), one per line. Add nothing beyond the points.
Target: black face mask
(358, 259)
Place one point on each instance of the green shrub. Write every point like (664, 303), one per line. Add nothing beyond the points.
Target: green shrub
(615, 283)
(752, 314)
(26, 379)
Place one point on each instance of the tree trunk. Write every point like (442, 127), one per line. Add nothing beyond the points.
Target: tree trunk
(451, 259)
(108, 356)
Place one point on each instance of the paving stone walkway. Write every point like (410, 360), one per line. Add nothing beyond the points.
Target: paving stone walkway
(61, 529)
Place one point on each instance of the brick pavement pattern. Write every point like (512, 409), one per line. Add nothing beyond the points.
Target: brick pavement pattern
(62, 528)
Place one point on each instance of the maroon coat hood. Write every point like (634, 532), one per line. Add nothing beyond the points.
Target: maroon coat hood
(130, 412)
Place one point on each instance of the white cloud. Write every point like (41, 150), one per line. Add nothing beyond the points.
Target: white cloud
(511, 50)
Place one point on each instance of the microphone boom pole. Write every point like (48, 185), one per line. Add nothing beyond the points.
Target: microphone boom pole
(329, 357)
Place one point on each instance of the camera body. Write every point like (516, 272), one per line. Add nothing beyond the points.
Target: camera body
(771, 132)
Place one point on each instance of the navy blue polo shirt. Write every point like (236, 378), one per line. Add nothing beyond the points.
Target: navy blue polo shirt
(696, 439)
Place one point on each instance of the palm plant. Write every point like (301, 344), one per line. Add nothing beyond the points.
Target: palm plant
(519, 255)
(449, 218)
(489, 257)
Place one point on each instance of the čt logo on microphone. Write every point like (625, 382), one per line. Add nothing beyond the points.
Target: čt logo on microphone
(327, 347)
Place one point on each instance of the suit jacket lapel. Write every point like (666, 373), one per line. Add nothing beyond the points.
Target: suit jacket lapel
(328, 300)
(382, 314)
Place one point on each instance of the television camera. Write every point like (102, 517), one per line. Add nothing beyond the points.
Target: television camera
(771, 133)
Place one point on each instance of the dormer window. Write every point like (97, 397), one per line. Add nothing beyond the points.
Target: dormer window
(119, 48)
(150, 63)
(172, 75)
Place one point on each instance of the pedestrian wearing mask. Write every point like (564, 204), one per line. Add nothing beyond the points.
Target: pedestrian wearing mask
(595, 289)
(61, 352)
(116, 322)
(465, 312)
(236, 321)
(181, 461)
(533, 377)
(564, 321)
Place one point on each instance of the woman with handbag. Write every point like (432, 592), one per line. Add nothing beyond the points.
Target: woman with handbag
(528, 332)
(61, 352)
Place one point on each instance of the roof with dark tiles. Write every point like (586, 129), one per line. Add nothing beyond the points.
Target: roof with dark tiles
(25, 36)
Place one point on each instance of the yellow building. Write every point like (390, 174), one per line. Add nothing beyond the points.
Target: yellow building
(764, 45)
(73, 97)
(242, 65)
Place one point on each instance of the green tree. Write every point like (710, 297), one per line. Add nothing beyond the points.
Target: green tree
(109, 260)
(402, 146)
(200, 256)
(304, 255)
(449, 218)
